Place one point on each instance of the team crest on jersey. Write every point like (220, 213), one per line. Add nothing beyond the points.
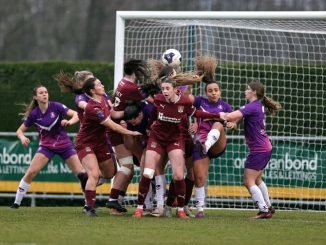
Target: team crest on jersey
(88, 149)
(52, 115)
(100, 114)
(153, 144)
(220, 107)
(180, 108)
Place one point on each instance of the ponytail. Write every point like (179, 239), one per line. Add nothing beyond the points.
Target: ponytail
(271, 105)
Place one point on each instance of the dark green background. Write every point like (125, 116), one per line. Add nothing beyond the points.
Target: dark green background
(301, 91)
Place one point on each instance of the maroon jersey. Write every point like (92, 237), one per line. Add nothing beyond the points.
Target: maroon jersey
(170, 117)
(126, 90)
(91, 132)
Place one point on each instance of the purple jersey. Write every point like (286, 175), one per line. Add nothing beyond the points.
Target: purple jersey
(202, 103)
(48, 125)
(143, 126)
(254, 127)
(79, 98)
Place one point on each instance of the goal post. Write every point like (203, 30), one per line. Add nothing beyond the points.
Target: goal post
(287, 52)
(123, 16)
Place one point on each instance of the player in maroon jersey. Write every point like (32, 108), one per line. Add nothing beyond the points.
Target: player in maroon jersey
(91, 141)
(127, 90)
(160, 179)
(167, 136)
(74, 84)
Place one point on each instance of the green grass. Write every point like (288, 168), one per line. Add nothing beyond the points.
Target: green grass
(67, 225)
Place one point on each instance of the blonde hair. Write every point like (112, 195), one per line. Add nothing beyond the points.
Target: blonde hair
(69, 83)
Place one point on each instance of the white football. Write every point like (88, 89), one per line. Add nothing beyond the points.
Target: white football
(171, 57)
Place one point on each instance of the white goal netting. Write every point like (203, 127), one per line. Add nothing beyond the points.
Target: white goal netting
(289, 57)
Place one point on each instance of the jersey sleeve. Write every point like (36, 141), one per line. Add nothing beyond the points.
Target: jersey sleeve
(247, 109)
(190, 109)
(61, 108)
(80, 98)
(29, 121)
(197, 101)
(228, 108)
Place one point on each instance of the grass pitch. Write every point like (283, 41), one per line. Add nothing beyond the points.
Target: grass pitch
(67, 225)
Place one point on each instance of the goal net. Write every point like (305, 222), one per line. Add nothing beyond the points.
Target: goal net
(288, 55)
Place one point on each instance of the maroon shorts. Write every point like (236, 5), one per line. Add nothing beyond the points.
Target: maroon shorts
(161, 147)
(101, 152)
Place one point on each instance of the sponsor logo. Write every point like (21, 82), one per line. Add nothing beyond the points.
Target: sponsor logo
(9, 157)
(285, 163)
(168, 119)
(288, 167)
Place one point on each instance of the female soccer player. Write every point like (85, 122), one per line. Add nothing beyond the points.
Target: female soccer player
(166, 136)
(47, 116)
(160, 180)
(210, 137)
(127, 90)
(260, 147)
(92, 140)
(74, 84)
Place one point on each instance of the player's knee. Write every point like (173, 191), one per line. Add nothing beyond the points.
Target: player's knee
(127, 165)
(200, 180)
(247, 182)
(126, 161)
(125, 170)
(149, 173)
(30, 174)
(178, 177)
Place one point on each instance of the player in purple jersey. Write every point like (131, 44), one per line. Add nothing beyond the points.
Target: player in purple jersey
(260, 147)
(139, 122)
(210, 138)
(47, 116)
(167, 136)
